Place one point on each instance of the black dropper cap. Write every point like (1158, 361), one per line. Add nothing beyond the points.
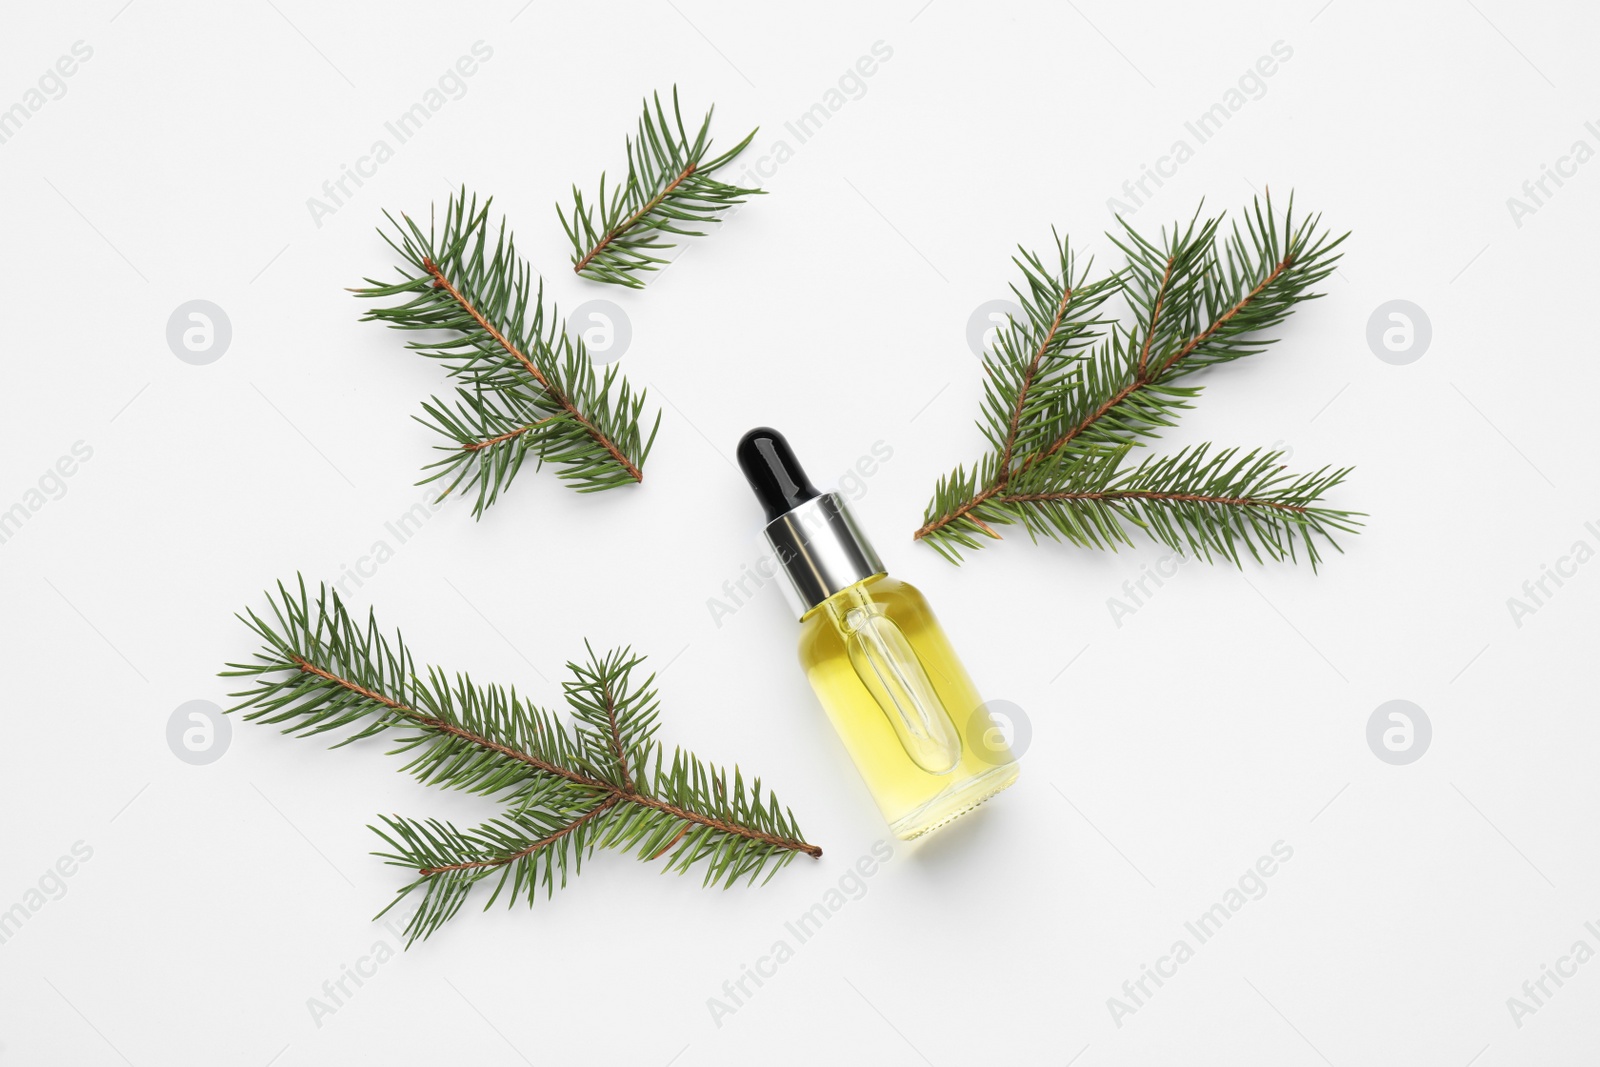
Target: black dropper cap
(769, 464)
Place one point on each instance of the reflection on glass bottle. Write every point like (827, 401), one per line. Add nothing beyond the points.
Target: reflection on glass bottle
(876, 656)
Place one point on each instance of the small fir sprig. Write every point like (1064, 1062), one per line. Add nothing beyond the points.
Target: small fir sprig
(605, 783)
(525, 386)
(1068, 396)
(668, 190)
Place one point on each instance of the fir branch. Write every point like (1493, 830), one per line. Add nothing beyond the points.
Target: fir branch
(604, 783)
(668, 190)
(1224, 505)
(1197, 299)
(527, 386)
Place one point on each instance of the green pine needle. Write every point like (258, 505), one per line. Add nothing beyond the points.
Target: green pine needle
(668, 190)
(1069, 395)
(526, 386)
(607, 782)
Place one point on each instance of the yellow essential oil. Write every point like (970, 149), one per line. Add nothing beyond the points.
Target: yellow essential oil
(930, 751)
(876, 657)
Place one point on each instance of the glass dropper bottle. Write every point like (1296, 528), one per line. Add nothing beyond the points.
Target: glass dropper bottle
(876, 657)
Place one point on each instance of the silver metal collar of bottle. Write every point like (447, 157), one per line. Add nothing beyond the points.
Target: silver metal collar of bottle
(821, 551)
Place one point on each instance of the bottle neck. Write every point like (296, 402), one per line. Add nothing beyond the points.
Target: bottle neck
(821, 551)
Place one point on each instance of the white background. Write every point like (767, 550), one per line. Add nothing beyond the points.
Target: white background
(1168, 753)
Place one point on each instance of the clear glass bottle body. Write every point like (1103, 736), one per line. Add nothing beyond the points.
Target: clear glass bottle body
(901, 701)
